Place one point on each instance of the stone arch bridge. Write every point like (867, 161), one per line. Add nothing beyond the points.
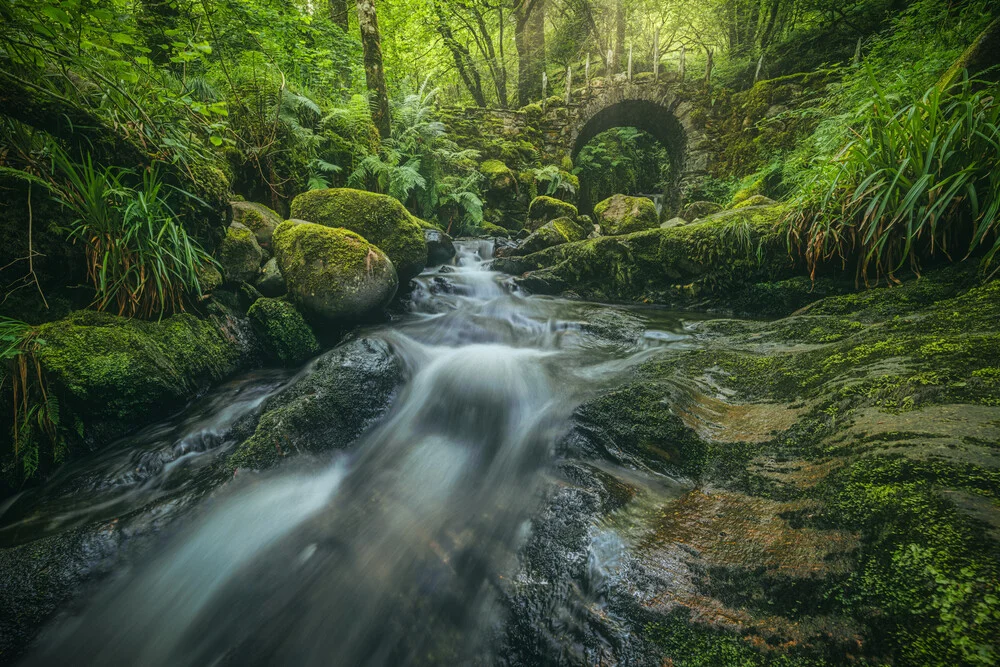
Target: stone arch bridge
(667, 109)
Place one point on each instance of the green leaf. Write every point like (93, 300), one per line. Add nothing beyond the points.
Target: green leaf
(216, 140)
(122, 38)
(56, 14)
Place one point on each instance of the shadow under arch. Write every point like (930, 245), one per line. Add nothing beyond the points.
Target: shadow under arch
(656, 119)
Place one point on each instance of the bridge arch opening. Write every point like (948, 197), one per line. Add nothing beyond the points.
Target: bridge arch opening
(652, 119)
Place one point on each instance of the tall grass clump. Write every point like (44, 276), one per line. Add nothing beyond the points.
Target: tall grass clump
(916, 181)
(140, 260)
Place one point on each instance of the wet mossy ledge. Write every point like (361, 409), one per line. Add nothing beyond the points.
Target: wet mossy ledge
(735, 259)
(112, 374)
(843, 495)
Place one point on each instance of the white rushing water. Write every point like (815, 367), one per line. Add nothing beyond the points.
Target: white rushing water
(389, 554)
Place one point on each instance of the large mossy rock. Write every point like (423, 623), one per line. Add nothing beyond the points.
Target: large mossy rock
(560, 230)
(500, 179)
(711, 261)
(115, 374)
(545, 209)
(346, 390)
(239, 254)
(333, 273)
(258, 218)
(699, 209)
(380, 219)
(282, 330)
(621, 214)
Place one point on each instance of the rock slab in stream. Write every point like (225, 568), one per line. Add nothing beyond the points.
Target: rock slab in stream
(347, 390)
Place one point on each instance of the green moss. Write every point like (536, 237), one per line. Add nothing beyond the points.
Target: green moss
(714, 257)
(620, 214)
(332, 272)
(560, 230)
(546, 209)
(239, 254)
(283, 330)
(637, 421)
(489, 229)
(116, 374)
(753, 200)
(258, 218)
(380, 219)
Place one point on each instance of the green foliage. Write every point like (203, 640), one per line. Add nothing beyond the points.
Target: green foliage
(35, 436)
(623, 160)
(423, 168)
(917, 181)
(140, 261)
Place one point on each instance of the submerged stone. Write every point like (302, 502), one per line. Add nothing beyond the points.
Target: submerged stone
(333, 273)
(380, 219)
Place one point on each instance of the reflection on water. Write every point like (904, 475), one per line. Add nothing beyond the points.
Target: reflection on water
(389, 554)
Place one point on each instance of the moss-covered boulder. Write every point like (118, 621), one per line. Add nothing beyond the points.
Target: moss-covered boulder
(560, 230)
(711, 261)
(258, 218)
(282, 330)
(496, 231)
(380, 219)
(239, 254)
(499, 177)
(440, 247)
(271, 283)
(699, 209)
(621, 214)
(347, 390)
(546, 209)
(114, 374)
(755, 200)
(673, 222)
(333, 273)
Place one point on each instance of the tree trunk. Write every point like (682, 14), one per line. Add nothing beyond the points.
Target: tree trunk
(371, 42)
(619, 33)
(529, 38)
(339, 13)
(463, 59)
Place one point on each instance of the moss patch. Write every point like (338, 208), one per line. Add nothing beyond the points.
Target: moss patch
(282, 330)
(380, 219)
(546, 209)
(620, 214)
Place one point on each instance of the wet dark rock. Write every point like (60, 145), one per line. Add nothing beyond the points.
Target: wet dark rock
(271, 283)
(440, 247)
(344, 392)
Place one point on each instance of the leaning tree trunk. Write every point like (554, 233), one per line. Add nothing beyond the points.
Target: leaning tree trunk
(529, 38)
(371, 42)
(338, 13)
(463, 59)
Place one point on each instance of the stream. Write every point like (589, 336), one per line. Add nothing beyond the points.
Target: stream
(394, 551)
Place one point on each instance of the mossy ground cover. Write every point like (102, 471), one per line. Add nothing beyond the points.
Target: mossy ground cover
(865, 533)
